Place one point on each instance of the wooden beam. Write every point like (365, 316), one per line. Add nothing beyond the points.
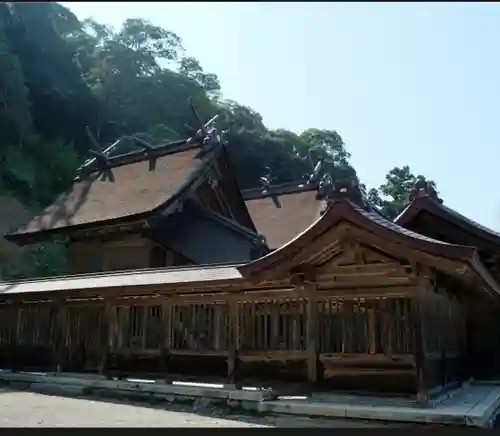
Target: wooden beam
(365, 282)
(332, 242)
(345, 290)
(413, 255)
(267, 356)
(373, 255)
(383, 269)
(154, 300)
(355, 359)
(107, 232)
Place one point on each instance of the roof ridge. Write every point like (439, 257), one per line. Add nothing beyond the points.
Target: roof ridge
(281, 189)
(138, 156)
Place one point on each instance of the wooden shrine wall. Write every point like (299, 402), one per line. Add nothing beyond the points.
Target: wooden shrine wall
(483, 334)
(444, 338)
(125, 253)
(367, 342)
(271, 335)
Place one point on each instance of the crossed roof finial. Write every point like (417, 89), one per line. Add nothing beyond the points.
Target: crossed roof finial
(423, 188)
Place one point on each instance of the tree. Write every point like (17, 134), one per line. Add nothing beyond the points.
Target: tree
(59, 75)
(191, 68)
(328, 145)
(61, 102)
(15, 111)
(392, 196)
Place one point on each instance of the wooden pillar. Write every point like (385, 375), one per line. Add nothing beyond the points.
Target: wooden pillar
(233, 340)
(312, 332)
(17, 340)
(14, 336)
(275, 315)
(114, 325)
(59, 335)
(420, 346)
(108, 322)
(217, 326)
(387, 327)
(166, 322)
(123, 340)
(372, 326)
(166, 334)
(347, 326)
(305, 285)
(113, 322)
(146, 313)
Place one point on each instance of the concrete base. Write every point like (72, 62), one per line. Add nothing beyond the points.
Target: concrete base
(476, 404)
(87, 384)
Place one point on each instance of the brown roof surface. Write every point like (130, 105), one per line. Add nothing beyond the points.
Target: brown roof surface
(135, 190)
(280, 225)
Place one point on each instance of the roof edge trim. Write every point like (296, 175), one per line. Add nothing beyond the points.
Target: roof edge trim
(438, 209)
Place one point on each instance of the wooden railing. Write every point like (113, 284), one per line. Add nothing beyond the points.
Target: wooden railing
(249, 337)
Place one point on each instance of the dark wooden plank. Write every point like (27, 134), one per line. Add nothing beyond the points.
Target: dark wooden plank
(312, 332)
(420, 362)
(233, 340)
(107, 330)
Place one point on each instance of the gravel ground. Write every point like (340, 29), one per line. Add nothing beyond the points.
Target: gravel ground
(29, 409)
(39, 410)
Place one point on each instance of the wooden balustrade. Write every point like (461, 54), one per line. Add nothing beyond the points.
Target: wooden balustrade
(302, 335)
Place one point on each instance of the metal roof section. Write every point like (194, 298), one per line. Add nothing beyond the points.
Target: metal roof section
(124, 279)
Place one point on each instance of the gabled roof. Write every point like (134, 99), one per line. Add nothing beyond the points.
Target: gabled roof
(317, 239)
(424, 199)
(281, 219)
(135, 193)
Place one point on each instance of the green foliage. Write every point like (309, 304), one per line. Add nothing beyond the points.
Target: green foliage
(59, 75)
(392, 196)
(40, 260)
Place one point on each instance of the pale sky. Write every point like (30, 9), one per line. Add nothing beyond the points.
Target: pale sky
(403, 83)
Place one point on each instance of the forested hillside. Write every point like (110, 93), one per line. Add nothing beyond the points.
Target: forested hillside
(59, 75)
